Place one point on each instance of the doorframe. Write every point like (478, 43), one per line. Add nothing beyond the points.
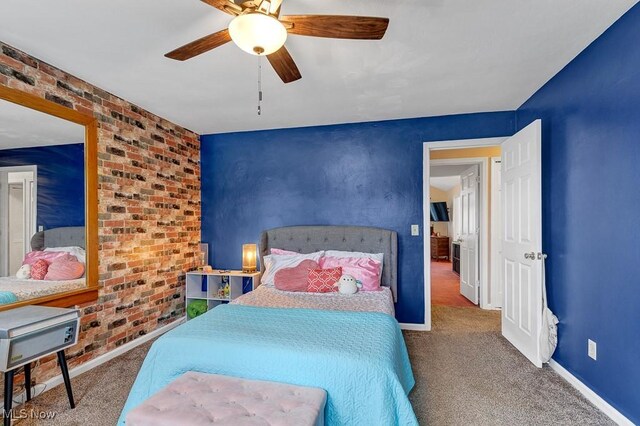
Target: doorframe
(495, 238)
(427, 147)
(4, 225)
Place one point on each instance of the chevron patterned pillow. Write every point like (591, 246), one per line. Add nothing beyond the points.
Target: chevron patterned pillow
(322, 280)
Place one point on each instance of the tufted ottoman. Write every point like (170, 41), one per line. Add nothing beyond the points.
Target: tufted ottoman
(204, 399)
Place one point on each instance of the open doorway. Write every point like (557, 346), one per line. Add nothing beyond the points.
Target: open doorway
(517, 250)
(446, 226)
(464, 183)
(18, 212)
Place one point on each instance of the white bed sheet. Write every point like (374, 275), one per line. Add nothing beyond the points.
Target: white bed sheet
(363, 301)
(30, 289)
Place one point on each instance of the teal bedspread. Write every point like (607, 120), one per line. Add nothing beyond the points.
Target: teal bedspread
(7, 297)
(359, 358)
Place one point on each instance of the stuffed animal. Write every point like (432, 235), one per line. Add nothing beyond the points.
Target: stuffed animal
(348, 285)
(24, 273)
(196, 308)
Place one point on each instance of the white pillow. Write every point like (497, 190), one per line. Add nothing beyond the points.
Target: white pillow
(274, 262)
(358, 254)
(78, 252)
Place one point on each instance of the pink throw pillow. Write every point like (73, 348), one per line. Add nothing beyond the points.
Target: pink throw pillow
(48, 256)
(285, 252)
(363, 269)
(39, 269)
(65, 269)
(322, 280)
(294, 279)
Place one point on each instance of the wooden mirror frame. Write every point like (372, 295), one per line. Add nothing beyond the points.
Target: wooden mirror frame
(90, 292)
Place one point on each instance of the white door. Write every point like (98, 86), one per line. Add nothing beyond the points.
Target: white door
(522, 241)
(469, 285)
(4, 216)
(16, 227)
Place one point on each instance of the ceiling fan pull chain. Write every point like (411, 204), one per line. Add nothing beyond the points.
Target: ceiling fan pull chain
(259, 85)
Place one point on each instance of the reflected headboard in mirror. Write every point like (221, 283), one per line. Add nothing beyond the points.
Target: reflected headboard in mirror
(68, 236)
(63, 229)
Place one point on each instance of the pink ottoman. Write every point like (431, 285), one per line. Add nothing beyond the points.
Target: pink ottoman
(207, 399)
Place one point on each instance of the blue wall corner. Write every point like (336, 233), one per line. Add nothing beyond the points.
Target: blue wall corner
(591, 168)
(367, 174)
(60, 181)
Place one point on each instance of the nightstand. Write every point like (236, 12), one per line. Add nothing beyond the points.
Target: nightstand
(209, 286)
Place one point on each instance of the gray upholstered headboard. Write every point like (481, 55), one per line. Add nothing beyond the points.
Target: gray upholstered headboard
(59, 237)
(307, 239)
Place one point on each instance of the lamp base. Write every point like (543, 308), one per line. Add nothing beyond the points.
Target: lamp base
(249, 271)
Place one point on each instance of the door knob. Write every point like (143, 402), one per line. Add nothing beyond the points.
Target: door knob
(531, 256)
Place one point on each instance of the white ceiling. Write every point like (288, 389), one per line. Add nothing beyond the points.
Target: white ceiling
(22, 127)
(438, 57)
(444, 183)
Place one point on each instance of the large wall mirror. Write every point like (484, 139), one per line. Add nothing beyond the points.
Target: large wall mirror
(48, 203)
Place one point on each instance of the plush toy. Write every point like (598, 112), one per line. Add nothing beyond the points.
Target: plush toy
(24, 273)
(196, 308)
(348, 285)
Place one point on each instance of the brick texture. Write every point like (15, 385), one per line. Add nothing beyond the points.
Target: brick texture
(149, 209)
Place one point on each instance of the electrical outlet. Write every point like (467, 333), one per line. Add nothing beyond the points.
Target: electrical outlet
(415, 230)
(592, 349)
(40, 228)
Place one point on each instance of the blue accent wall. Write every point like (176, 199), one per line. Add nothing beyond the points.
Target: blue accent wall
(591, 207)
(367, 174)
(60, 181)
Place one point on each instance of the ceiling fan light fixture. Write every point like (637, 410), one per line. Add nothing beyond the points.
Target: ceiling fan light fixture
(257, 33)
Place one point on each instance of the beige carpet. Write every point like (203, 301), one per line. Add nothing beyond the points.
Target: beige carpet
(466, 374)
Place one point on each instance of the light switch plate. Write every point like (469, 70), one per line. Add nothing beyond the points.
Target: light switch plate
(592, 349)
(415, 230)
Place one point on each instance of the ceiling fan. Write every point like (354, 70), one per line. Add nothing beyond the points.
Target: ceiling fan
(257, 28)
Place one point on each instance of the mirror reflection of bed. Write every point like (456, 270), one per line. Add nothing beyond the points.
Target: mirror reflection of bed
(42, 205)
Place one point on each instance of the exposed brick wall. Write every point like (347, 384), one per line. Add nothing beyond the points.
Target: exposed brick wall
(149, 208)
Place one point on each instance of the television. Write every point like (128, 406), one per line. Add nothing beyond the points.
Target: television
(439, 212)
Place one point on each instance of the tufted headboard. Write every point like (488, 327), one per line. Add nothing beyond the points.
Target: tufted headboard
(59, 237)
(307, 239)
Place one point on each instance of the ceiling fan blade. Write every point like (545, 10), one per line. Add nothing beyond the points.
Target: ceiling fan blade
(275, 7)
(226, 6)
(200, 46)
(335, 26)
(283, 63)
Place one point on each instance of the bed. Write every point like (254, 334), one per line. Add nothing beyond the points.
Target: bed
(30, 289)
(354, 350)
(371, 301)
(13, 289)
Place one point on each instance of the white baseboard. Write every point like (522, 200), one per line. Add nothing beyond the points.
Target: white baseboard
(413, 327)
(593, 397)
(99, 360)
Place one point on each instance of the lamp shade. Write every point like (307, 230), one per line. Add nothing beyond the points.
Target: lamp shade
(249, 257)
(257, 33)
